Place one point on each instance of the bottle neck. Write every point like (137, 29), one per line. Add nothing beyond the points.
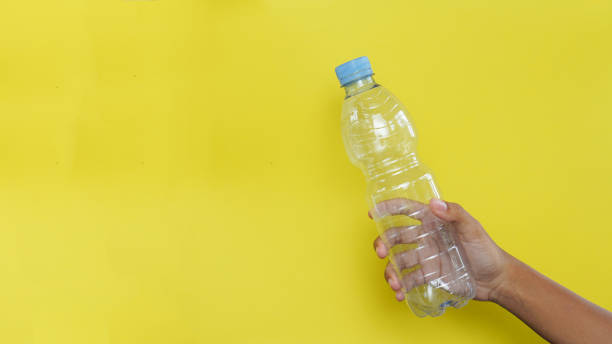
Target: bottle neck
(359, 86)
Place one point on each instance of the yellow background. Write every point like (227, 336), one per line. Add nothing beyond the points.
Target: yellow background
(173, 172)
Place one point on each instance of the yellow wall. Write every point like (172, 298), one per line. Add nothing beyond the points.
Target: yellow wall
(172, 171)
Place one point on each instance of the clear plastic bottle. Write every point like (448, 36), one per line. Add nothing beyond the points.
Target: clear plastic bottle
(380, 139)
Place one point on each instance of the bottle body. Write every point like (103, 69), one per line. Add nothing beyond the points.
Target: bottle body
(380, 139)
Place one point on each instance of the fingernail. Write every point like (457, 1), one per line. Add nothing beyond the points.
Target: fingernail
(439, 204)
(399, 295)
(380, 251)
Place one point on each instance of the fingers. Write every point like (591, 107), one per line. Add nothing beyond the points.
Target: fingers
(406, 259)
(391, 278)
(464, 224)
(398, 206)
(429, 270)
(401, 235)
(426, 261)
(396, 236)
(413, 279)
(380, 248)
(447, 211)
(394, 282)
(399, 295)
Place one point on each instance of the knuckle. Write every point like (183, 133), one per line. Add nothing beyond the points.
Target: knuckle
(456, 207)
(392, 236)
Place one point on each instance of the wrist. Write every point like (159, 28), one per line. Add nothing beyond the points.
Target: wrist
(506, 285)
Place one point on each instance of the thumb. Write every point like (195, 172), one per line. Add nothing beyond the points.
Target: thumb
(447, 211)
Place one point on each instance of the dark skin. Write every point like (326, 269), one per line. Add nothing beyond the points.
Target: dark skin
(554, 312)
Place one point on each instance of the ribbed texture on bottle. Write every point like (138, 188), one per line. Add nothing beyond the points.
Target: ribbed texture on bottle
(391, 170)
(381, 141)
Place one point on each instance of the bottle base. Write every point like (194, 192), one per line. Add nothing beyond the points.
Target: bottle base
(428, 300)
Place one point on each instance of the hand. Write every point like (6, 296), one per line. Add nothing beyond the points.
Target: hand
(486, 260)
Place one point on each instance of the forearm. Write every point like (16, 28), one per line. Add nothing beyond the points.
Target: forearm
(554, 312)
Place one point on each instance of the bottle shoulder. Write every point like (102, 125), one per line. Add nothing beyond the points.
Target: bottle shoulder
(377, 108)
(374, 94)
(377, 129)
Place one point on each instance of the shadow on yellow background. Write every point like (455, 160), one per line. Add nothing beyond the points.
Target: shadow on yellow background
(173, 172)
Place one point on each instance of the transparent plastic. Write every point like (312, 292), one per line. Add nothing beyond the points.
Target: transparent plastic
(380, 139)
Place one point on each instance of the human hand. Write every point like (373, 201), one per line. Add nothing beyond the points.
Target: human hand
(486, 260)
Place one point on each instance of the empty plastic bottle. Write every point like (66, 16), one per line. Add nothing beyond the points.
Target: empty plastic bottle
(380, 139)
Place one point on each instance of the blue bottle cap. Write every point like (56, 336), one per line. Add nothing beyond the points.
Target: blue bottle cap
(353, 70)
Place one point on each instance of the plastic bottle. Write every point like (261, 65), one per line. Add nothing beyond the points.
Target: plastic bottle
(380, 139)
